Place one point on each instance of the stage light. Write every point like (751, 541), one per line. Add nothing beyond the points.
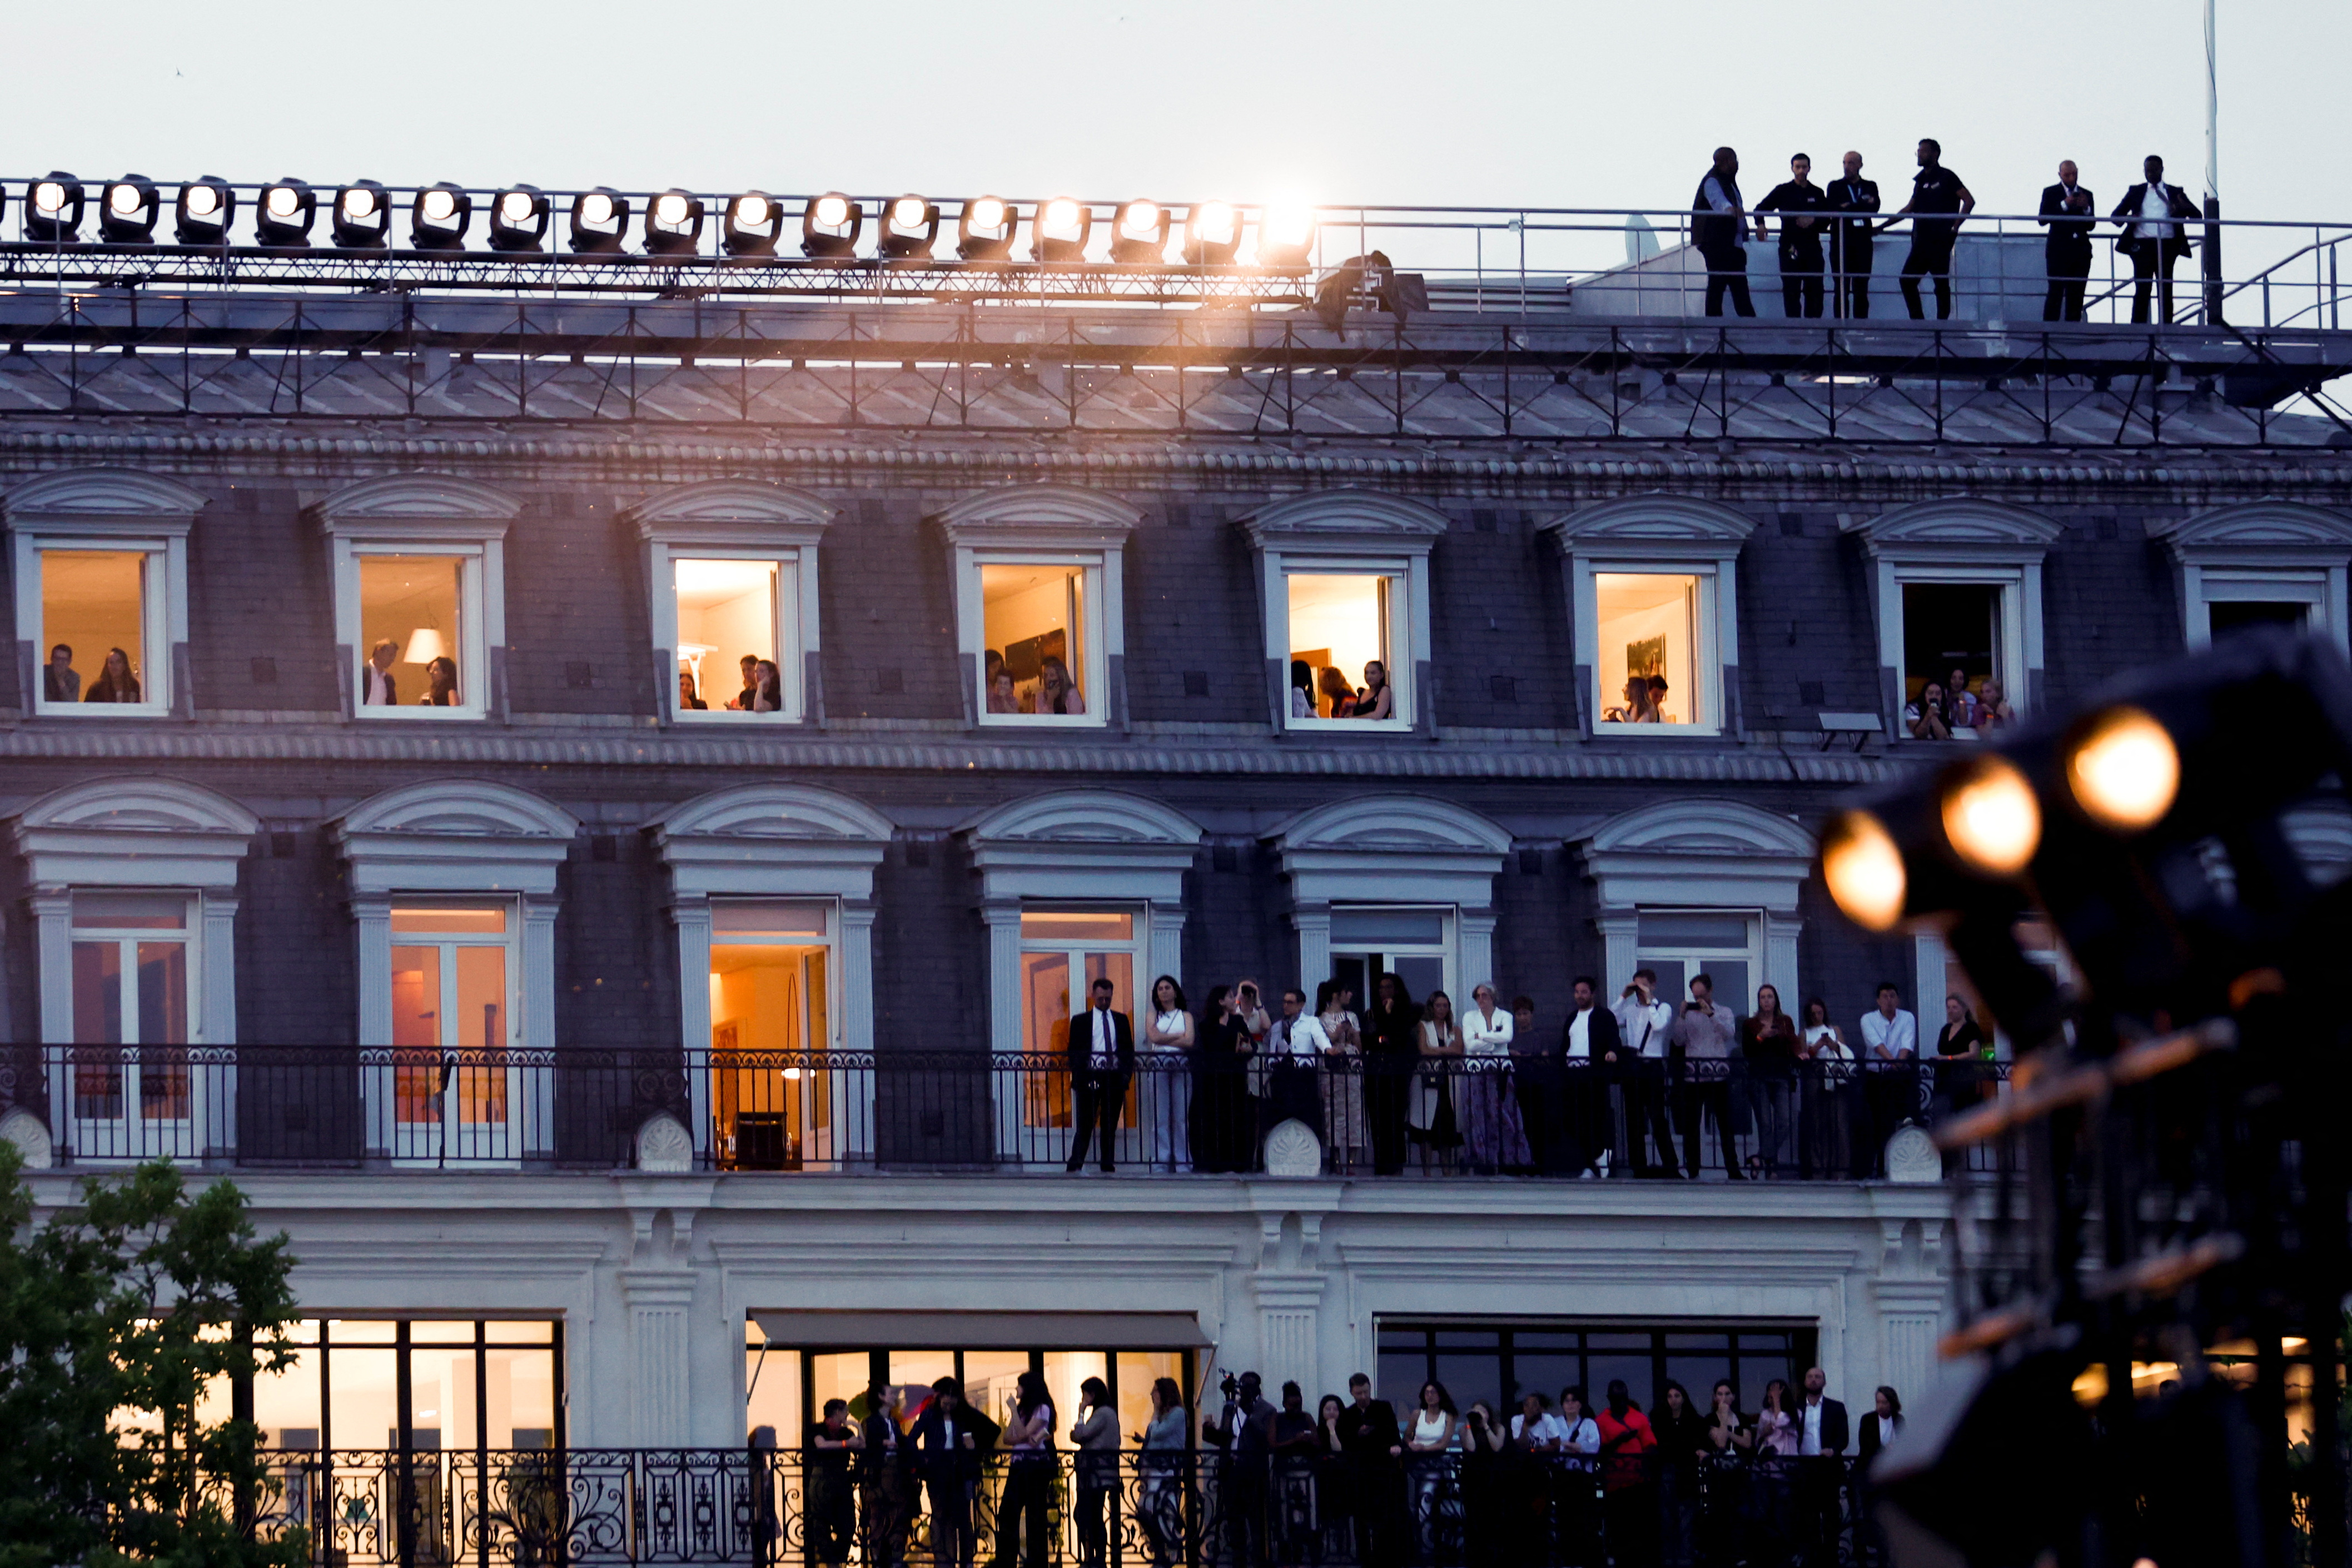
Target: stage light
(674, 223)
(1286, 237)
(910, 227)
(203, 210)
(2124, 771)
(437, 218)
(1138, 234)
(1991, 819)
(362, 218)
(53, 208)
(127, 214)
(600, 220)
(1864, 872)
(286, 211)
(984, 229)
(1212, 234)
(830, 225)
(753, 222)
(519, 219)
(1059, 231)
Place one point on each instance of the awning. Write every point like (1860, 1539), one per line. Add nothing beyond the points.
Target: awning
(982, 1331)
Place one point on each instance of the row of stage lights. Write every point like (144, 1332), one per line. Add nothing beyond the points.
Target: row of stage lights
(751, 224)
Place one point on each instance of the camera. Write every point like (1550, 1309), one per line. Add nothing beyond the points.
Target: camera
(1230, 1387)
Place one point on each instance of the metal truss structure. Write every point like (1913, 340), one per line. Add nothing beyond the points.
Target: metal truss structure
(1103, 371)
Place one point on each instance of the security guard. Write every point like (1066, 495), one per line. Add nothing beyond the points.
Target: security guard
(1797, 199)
(1850, 238)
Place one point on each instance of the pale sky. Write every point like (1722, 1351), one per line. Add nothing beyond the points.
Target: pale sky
(1460, 101)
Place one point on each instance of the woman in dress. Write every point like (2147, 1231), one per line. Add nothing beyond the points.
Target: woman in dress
(1302, 689)
(1221, 1086)
(1829, 1090)
(1959, 1045)
(1343, 1077)
(1434, 1127)
(1730, 1438)
(1490, 1113)
(1391, 1060)
(1030, 1472)
(1164, 1088)
(1334, 1497)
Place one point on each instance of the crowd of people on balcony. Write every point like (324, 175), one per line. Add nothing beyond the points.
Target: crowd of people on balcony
(1487, 1089)
(1263, 1485)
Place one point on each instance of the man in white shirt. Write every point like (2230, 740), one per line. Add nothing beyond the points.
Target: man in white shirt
(2153, 238)
(1822, 1433)
(1294, 1051)
(1592, 1053)
(1536, 1428)
(375, 680)
(1101, 1051)
(1890, 1052)
(1644, 1022)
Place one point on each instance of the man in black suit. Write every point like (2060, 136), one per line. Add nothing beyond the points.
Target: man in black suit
(2068, 210)
(1102, 1059)
(1373, 1446)
(1799, 200)
(1849, 240)
(952, 1442)
(1588, 1047)
(2153, 237)
(1821, 1438)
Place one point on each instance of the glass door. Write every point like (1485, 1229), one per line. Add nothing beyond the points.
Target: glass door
(456, 1076)
(130, 1092)
(1062, 953)
(1719, 945)
(1413, 945)
(778, 1087)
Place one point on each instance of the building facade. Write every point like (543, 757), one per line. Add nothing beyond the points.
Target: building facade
(631, 1069)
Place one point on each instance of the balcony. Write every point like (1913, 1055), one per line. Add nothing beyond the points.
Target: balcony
(262, 1107)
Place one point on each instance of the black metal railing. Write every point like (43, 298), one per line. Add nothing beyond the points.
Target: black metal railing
(770, 1508)
(265, 1106)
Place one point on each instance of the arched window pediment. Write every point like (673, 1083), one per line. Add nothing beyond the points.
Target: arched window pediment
(138, 832)
(1086, 816)
(778, 811)
(1371, 518)
(1698, 854)
(1040, 514)
(731, 505)
(1652, 519)
(83, 495)
(2257, 528)
(419, 497)
(1393, 824)
(1957, 521)
(455, 835)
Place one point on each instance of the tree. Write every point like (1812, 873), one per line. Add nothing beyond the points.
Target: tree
(116, 1318)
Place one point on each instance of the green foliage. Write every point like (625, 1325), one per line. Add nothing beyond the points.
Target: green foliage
(115, 1318)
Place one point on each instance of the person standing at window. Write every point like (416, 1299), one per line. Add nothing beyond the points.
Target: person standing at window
(60, 681)
(1378, 699)
(1799, 200)
(1926, 719)
(1934, 190)
(1096, 1434)
(1591, 1056)
(1162, 1464)
(767, 687)
(1828, 1065)
(1491, 1118)
(1960, 702)
(1719, 233)
(889, 1476)
(1339, 697)
(1768, 1045)
(115, 684)
(953, 1441)
(742, 701)
(1393, 1055)
(1434, 1125)
(1646, 1025)
(1056, 693)
(1292, 1454)
(1343, 1077)
(441, 680)
(1028, 1476)
(687, 700)
(1167, 1086)
(1773, 1464)
(1890, 1056)
(1959, 1046)
(1001, 697)
(833, 1507)
(376, 688)
(1435, 1436)
(1221, 1086)
(1639, 709)
(1102, 1060)
(1704, 1034)
(1628, 1499)
(1993, 711)
(1683, 1447)
(1302, 689)
(1536, 1073)
(1579, 1481)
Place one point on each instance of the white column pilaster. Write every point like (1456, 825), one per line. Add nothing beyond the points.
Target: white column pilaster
(1167, 938)
(1780, 958)
(1313, 923)
(1619, 949)
(1474, 942)
(661, 1311)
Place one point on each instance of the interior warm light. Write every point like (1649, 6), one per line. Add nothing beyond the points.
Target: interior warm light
(425, 645)
(515, 207)
(669, 208)
(438, 206)
(202, 200)
(1991, 819)
(2125, 771)
(910, 213)
(595, 207)
(832, 212)
(1864, 872)
(282, 202)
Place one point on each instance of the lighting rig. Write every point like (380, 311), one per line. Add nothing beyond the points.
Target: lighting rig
(2176, 1178)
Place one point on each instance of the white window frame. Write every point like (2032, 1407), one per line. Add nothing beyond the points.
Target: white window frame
(778, 842)
(1701, 856)
(424, 515)
(117, 510)
(1961, 541)
(1663, 536)
(2272, 551)
(1339, 533)
(450, 841)
(1447, 950)
(738, 519)
(1695, 960)
(1045, 525)
(1394, 851)
(131, 835)
(495, 1141)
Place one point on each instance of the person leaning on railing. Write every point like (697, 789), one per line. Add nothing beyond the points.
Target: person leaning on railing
(888, 1474)
(832, 1443)
(1628, 1498)
(1094, 1434)
(1684, 1445)
(1161, 1462)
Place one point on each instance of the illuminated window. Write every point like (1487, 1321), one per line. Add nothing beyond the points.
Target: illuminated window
(1649, 629)
(411, 629)
(130, 1021)
(454, 1031)
(1062, 954)
(771, 989)
(100, 563)
(730, 656)
(96, 615)
(1037, 618)
(1038, 577)
(420, 594)
(1344, 629)
(472, 1385)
